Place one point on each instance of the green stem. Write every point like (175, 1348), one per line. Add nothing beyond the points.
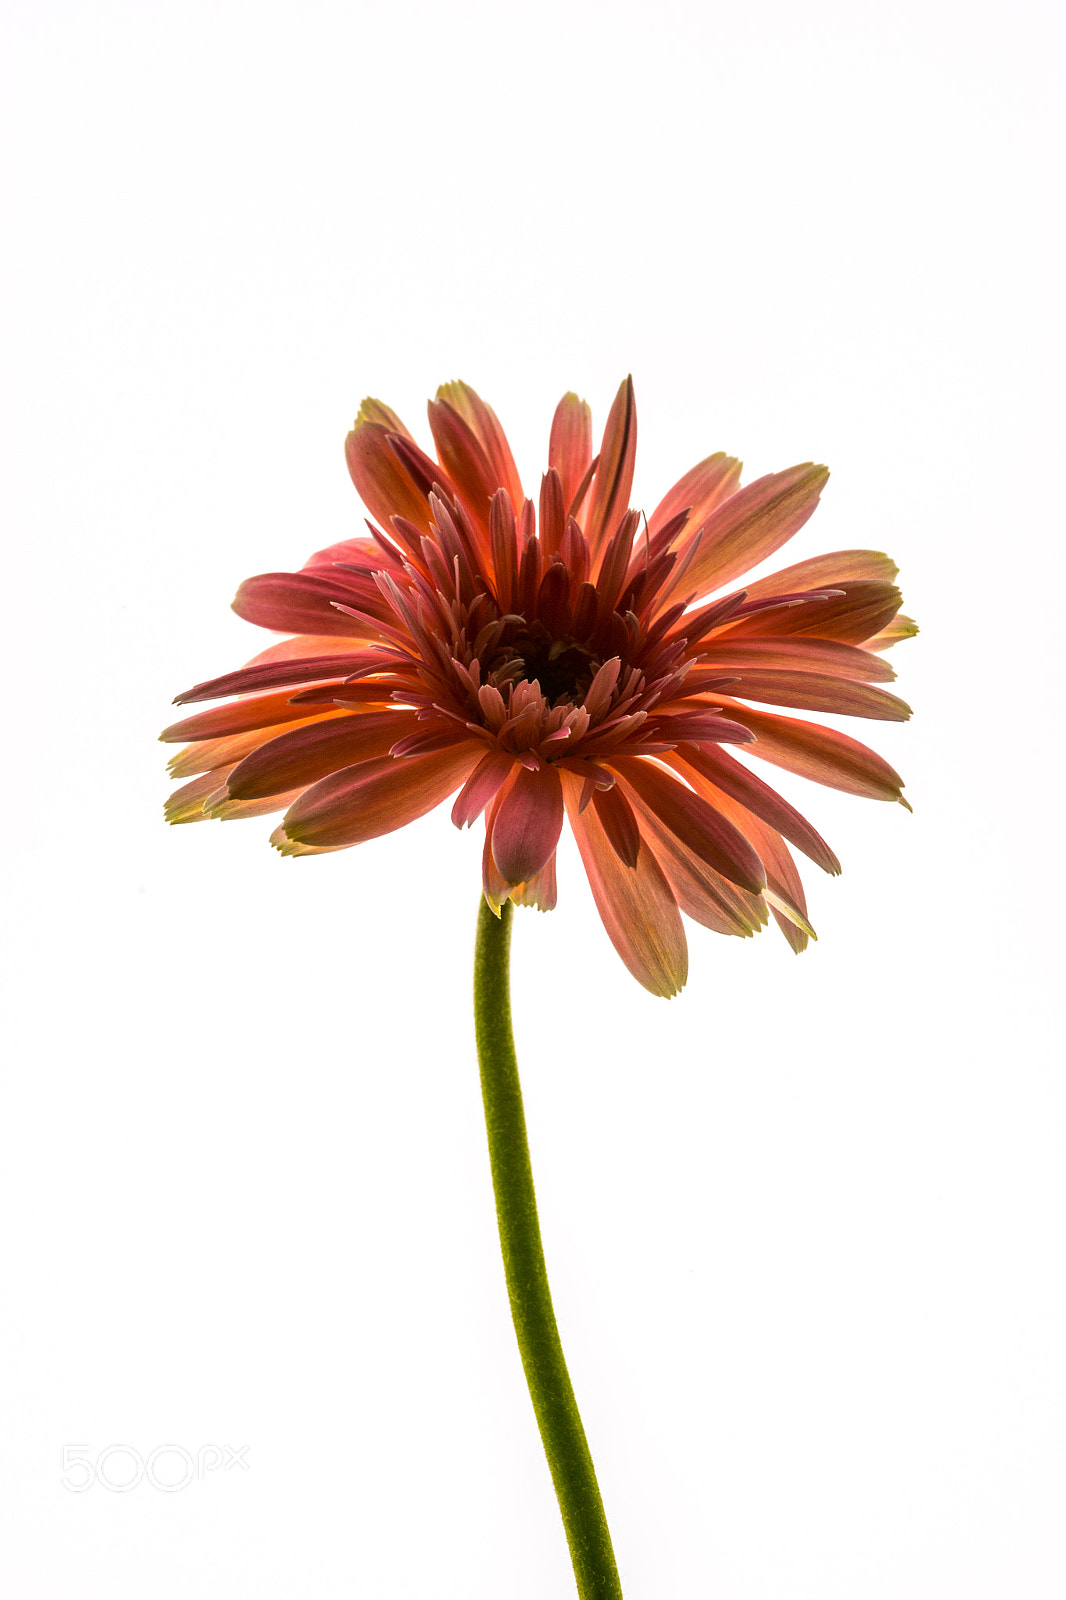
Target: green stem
(550, 1389)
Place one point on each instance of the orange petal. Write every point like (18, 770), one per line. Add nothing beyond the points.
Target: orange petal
(703, 894)
(700, 827)
(821, 754)
(752, 524)
(484, 424)
(816, 691)
(827, 572)
(636, 904)
(528, 823)
(373, 798)
(307, 753)
(852, 616)
(793, 654)
(386, 486)
(702, 488)
(570, 447)
(713, 764)
(613, 481)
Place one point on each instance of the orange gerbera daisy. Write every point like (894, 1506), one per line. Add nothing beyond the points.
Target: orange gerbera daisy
(560, 660)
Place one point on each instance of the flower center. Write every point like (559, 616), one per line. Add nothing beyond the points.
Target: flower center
(563, 667)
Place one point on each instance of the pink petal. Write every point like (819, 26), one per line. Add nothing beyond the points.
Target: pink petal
(821, 754)
(701, 828)
(755, 796)
(793, 654)
(483, 423)
(830, 571)
(570, 447)
(815, 691)
(636, 904)
(310, 752)
(304, 646)
(279, 674)
(898, 629)
(701, 489)
(207, 754)
(386, 485)
(784, 888)
(619, 824)
(614, 475)
(528, 824)
(850, 617)
(752, 524)
(541, 891)
(373, 798)
(482, 786)
(260, 711)
(187, 803)
(703, 894)
(465, 460)
(299, 602)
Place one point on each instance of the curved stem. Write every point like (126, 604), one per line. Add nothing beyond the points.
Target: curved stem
(561, 1432)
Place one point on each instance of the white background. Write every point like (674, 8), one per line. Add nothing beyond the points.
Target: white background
(804, 1223)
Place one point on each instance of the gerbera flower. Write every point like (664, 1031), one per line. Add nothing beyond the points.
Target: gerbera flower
(559, 661)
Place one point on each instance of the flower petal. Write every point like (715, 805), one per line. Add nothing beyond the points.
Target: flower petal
(482, 786)
(830, 571)
(703, 894)
(851, 616)
(570, 447)
(794, 653)
(310, 752)
(386, 486)
(373, 798)
(484, 424)
(528, 824)
(619, 823)
(702, 488)
(541, 891)
(613, 481)
(757, 798)
(698, 825)
(815, 691)
(280, 674)
(821, 754)
(300, 602)
(636, 904)
(752, 524)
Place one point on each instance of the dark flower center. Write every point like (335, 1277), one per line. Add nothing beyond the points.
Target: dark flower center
(563, 667)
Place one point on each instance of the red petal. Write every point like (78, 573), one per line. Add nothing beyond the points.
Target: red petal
(484, 424)
(541, 891)
(373, 798)
(619, 823)
(528, 824)
(703, 894)
(701, 828)
(821, 754)
(482, 786)
(830, 571)
(752, 524)
(261, 711)
(755, 796)
(207, 754)
(614, 476)
(636, 904)
(570, 447)
(852, 616)
(815, 691)
(701, 489)
(279, 674)
(300, 602)
(307, 753)
(794, 654)
(386, 486)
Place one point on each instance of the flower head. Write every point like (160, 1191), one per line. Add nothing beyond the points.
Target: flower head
(564, 660)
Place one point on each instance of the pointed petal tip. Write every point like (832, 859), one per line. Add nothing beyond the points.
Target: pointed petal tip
(906, 805)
